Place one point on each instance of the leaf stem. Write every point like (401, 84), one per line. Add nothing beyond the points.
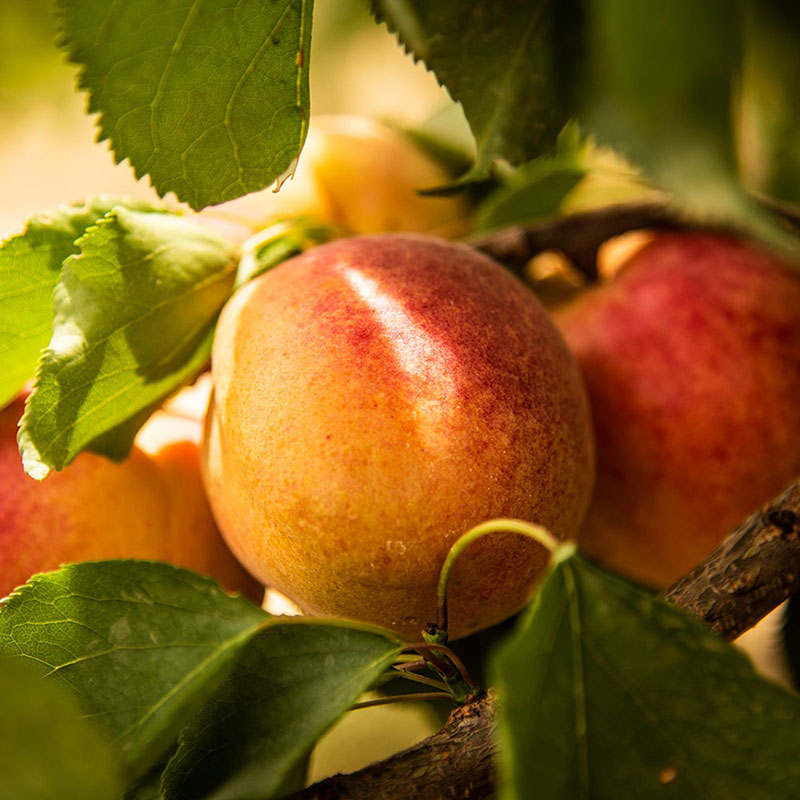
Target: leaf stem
(535, 532)
(398, 698)
(415, 663)
(413, 676)
(431, 652)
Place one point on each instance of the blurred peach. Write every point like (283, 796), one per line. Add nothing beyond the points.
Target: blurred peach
(149, 506)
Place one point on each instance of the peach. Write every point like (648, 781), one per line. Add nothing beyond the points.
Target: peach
(357, 174)
(151, 506)
(373, 399)
(691, 358)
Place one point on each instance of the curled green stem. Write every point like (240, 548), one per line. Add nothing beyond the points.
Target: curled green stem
(535, 532)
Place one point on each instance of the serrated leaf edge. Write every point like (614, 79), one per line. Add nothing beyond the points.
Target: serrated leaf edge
(64, 42)
(33, 459)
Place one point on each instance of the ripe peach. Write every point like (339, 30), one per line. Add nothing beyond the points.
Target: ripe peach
(151, 505)
(360, 175)
(691, 358)
(373, 399)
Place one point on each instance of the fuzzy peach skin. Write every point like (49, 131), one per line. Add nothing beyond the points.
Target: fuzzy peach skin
(151, 506)
(373, 399)
(691, 357)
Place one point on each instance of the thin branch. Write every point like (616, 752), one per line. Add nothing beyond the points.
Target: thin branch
(576, 236)
(750, 574)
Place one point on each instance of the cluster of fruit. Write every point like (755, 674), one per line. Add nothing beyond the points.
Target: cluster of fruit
(377, 396)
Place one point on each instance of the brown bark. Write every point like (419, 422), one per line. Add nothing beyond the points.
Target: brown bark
(576, 236)
(456, 762)
(751, 573)
(579, 235)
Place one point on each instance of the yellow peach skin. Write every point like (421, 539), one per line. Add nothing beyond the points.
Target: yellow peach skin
(357, 174)
(150, 506)
(373, 399)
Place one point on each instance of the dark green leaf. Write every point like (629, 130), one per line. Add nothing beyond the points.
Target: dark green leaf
(292, 681)
(141, 644)
(661, 89)
(537, 189)
(30, 264)
(663, 83)
(47, 750)
(770, 109)
(608, 692)
(207, 97)
(134, 318)
(499, 59)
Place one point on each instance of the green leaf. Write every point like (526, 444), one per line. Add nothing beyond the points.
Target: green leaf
(661, 90)
(30, 264)
(134, 319)
(140, 644)
(279, 242)
(500, 60)
(536, 189)
(46, 749)
(207, 97)
(291, 682)
(606, 691)
(771, 115)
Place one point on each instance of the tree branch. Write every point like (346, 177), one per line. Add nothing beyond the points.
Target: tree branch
(456, 762)
(753, 571)
(576, 236)
(750, 574)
